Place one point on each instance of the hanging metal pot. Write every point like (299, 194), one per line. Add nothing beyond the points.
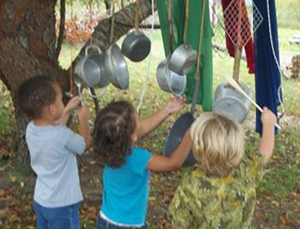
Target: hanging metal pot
(231, 103)
(136, 46)
(170, 81)
(89, 70)
(115, 63)
(162, 76)
(99, 59)
(184, 56)
(177, 82)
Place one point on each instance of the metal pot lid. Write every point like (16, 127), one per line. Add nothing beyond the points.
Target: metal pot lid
(116, 67)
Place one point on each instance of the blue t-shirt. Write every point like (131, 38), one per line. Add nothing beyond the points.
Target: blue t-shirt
(126, 189)
(53, 151)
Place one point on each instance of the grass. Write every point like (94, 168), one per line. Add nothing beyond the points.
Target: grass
(288, 14)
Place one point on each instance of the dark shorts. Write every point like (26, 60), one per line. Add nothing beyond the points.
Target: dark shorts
(61, 217)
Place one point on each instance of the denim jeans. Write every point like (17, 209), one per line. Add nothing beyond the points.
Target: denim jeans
(61, 217)
(102, 223)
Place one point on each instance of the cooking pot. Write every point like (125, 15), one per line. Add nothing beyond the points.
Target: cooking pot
(90, 70)
(232, 103)
(116, 67)
(184, 56)
(136, 46)
(168, 80)
(183, 59)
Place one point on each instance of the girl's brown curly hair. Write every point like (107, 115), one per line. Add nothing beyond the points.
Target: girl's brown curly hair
(114, 126)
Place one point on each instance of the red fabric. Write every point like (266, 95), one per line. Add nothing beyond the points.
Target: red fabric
(231, 19)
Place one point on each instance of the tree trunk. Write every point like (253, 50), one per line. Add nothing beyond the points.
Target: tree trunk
(27, 47)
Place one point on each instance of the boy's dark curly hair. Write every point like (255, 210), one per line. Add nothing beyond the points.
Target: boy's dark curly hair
(35, 93)
(114, 126)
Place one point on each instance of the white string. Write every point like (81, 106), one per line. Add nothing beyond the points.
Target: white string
(149, 64)
(274, 55)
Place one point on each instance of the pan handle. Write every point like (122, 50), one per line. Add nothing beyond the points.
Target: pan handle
(92, 47)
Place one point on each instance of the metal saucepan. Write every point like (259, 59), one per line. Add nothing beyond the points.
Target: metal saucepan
(184, 56)
(100, 61)
(168, 80)
(115, 63)
(89, 70)
(230, 102)
(136, 46)
(161, 76)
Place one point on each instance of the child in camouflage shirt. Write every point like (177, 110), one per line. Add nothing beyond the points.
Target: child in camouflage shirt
(221, 191)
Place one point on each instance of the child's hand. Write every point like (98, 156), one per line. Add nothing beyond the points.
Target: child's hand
(84, 114)
(268, 118)
(174, 105)
(72, 104)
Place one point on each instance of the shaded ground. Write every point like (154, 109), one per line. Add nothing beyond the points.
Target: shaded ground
(278, 204)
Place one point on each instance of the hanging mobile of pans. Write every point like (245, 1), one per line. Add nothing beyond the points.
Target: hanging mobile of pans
(184, 56)
(184, 122)
(115, 63)
(136, 46)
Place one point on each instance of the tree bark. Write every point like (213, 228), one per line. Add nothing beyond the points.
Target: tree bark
(27, 47)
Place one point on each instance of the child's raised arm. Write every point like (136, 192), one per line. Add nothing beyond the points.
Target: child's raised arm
(163, 164)
(83, 116)
(149, 123)
(268, 136)
(72, 104)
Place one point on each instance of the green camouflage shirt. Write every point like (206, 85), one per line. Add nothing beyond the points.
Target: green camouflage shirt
(212, 202)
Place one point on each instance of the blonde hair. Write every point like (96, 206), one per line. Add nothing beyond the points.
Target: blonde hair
(218, 143)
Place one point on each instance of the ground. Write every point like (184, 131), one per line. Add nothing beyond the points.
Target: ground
(278, 204)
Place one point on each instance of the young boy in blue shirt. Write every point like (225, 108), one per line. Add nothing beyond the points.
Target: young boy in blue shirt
(53, 148)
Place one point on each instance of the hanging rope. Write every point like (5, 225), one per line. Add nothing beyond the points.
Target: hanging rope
(280, 89)
(71, 59)
(149, 65)
(197, 75)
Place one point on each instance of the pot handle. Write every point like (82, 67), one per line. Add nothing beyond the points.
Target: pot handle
(92, 47)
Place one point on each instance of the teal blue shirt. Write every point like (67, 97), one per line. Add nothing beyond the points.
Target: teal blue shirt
(126, 189)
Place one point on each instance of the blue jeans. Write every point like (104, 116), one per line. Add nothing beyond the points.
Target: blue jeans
(61, 217)
(102, 223)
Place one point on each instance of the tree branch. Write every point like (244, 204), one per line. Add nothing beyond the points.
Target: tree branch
(142, 26)
(61, 27)
(102, 30)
